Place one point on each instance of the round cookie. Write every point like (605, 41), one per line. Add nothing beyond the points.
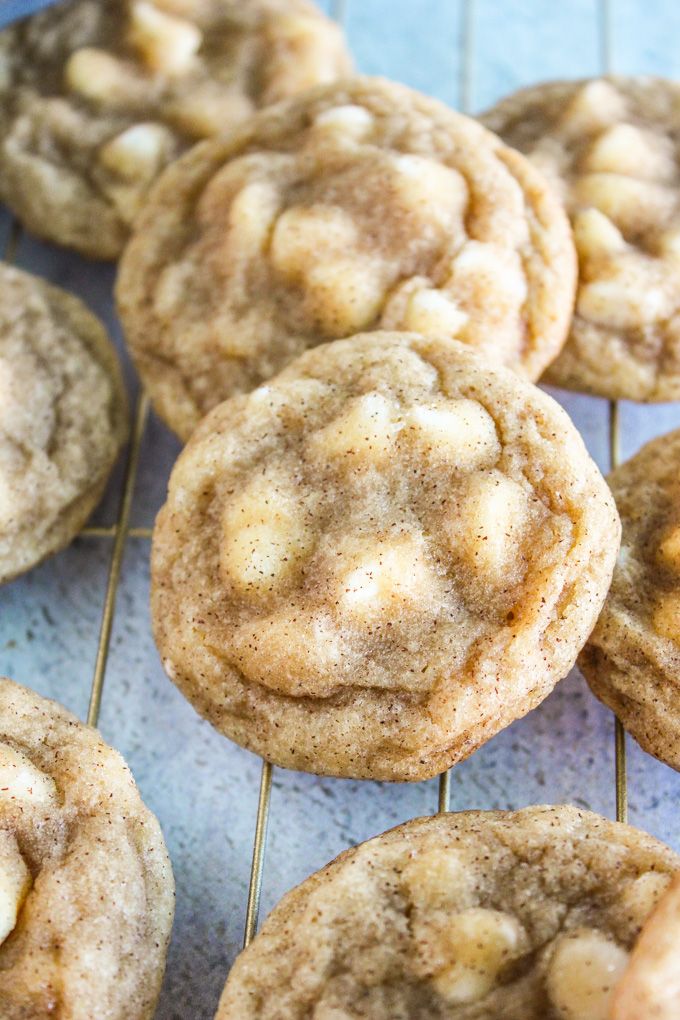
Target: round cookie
(372, 564)
(63, 418)
(86, 888)
(361, 205)
(96, 96)
(526, 915)
(611, 148)
(632, 659)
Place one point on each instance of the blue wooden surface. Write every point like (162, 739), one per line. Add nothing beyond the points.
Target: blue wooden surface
(203, 788)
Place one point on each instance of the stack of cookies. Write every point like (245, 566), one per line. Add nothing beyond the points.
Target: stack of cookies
(382, 542)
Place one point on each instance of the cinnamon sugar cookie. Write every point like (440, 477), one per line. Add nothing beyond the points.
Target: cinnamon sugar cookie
(611, 147)
(632, 660)
(86, 890)
(526, 915)
(361, 205)
(96, 96)
(372, 564)
(63, 418)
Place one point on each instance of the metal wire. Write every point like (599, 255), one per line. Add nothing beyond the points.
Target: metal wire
(259, 847)
(620, 765)
(120, 532)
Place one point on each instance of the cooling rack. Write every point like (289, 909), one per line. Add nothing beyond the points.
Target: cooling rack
(468, 52)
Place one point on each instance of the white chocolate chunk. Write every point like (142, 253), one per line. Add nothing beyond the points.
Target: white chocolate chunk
(304, 235)
(626, 149)
(137, 153)
(583, 971)
(595, 235)
(15, 882)
(97, 76)
(594, 107)
(438, 879)
(387, 577)
(365, 431)
(640, 897)
(265, 536)
(166, 43)
(351, 121)
(613, 303)
(430, 311)
(666, 616)
(252, 214)
(631, 204)
(461, 431)
(489, 524)
(669, 550)
(481, 268)
(343, 295)
(430, 190)
(480, 942)
(22, 781)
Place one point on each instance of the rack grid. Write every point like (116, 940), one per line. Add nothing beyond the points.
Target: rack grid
(120, 532)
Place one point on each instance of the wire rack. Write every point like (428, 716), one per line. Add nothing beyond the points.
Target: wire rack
(121, 531)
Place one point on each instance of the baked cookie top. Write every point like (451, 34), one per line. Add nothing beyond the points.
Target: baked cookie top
(96, 96)
(63, 418)
(526, 915)
(632, 660)
(361, 205)
(86, 889)
(371, 564)
(611, 148)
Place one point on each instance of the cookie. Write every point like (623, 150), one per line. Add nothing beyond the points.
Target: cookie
(632, 660)
(86, 889)
(370, 565)
(650, 986)
(96, 96)
(63, 418)
(526, 915)
(361, 205)
(611, 148)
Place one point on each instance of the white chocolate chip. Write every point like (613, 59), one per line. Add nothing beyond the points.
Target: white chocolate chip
(264, 535)
(304, 235)
(480, 942)
(351, 121)
(429, 311)
(393, 575)
(22, 781)
(613, 303)
(596, 236)
(460, 431)
(625, 149)
(431, 191)
(343, 295)
(438, 879)
(252, 215)
(15, 883)
(168, 44)
(632, 205)
(99, 77)
(488, 525)
(593, 108)
(583, 971)
(365, 431)
(137, 153)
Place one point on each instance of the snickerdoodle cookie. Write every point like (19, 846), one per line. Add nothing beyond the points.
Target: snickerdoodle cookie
(632, 660)
(63, 418)
(611, 147)
(86, 889)
(96, 96)
(361, 205)
(370, 565)
(527, 915)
